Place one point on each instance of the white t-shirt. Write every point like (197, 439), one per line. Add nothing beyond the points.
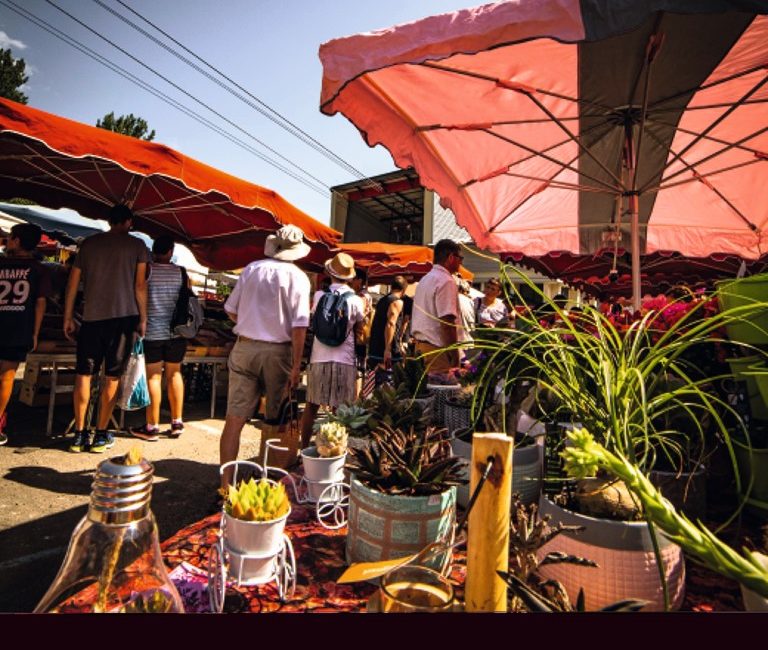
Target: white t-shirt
(436, 296)
(344, 353)
(270, 298)
(467, 309)
(493, 313)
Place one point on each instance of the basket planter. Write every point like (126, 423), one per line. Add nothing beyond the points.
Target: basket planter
(526, 471)
(427, 405)
(385, 526)
(687, 491)
(321, 472)
(456, 416)
(746, 291)
(441, 395)
(257, 538)
(626, 562)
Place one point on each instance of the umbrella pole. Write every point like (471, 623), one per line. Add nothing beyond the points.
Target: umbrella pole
(635, 234)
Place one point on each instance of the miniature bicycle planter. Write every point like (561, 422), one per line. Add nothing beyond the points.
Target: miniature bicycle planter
(250, 553)
(323, 484)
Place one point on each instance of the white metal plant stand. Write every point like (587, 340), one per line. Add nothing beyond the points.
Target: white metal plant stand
(225, 564)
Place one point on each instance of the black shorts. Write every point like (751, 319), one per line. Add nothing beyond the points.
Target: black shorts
(15, 353)
(168, 350)
(109, 341)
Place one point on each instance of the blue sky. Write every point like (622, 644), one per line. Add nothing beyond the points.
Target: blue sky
(270, 47)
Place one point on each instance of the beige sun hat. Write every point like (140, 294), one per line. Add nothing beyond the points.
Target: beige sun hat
(342, 266)
(287, 244)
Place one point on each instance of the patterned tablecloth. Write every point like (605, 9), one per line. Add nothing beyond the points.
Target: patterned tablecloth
(320, 562)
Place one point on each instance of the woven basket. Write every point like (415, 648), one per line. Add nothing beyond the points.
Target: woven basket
(441, 393)
(456, 417)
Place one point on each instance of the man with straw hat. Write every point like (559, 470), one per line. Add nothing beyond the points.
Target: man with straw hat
(332, 366)
(270, 308)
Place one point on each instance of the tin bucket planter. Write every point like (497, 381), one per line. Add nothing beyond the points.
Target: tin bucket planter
(527, 465)
(385, 526)
(320, 472)
(255, 546)
(746, 291)
(623, 551)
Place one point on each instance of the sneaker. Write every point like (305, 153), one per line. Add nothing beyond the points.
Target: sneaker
(146, 432)
(177, 428)
(3, 421)
(3, 439)
(81, 442)
(102, 441)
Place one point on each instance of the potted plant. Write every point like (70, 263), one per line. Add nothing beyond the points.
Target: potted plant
(402, 494)
(621, 381)
(410, 379)
(458, 408)
(255, 513)
(324, 462)
(586, 455)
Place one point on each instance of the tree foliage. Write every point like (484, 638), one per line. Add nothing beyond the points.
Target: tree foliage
(129, 124)
(12, 77)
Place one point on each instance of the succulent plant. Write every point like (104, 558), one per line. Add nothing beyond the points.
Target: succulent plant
(409, 462)
(353, 416)
(410, 376)
(394, 408)
(331, 439)
(257, 500)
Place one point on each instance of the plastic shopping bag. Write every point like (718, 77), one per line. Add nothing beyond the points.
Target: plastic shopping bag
(134, 392)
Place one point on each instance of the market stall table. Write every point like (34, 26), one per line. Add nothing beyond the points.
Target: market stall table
(56, 360)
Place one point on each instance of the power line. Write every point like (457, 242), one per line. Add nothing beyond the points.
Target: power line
(257, 104)
(188, 94)
(39, 22)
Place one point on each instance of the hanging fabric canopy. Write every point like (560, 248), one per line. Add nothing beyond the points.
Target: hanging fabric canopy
(571, 125)
(224, 220)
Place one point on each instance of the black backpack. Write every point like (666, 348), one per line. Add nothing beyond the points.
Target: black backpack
(330, 321)
(188, 316)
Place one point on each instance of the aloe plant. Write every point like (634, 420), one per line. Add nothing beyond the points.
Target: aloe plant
(257, 500)
(354, 417)
(409, 462)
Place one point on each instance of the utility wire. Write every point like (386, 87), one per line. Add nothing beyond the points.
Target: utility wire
(256, 103)
(188, 94)
(39, 22)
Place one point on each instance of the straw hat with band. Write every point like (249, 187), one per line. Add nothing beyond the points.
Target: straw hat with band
(341, 267)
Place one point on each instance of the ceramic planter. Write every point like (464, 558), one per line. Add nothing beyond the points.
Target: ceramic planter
(385, 526)
(321, 472)
(746, 291)
(626, 562)
(526, 471)
(259, 539)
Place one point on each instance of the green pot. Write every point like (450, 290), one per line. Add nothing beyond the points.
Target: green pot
(753, 463)
(747, 369)
(746, 291)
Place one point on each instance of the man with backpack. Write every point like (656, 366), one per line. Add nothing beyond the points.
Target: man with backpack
(270, 308)
(332, 368)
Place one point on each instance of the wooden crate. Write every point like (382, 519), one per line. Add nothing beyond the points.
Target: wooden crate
(32, 395)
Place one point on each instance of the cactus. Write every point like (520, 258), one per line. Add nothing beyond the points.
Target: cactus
(257, 501)
(331, 440)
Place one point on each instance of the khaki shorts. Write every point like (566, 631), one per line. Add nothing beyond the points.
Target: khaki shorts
(331, 383)
(435, 362)
(257, 368)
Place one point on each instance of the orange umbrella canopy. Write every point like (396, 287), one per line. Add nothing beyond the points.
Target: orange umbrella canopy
(382, 261)
(223, 219)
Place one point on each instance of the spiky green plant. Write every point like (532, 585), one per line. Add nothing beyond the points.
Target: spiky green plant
(354, 417)
(394, 408)
(409, 462)
(257, 500)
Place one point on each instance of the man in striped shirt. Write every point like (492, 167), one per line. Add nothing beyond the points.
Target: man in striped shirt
(162, 350)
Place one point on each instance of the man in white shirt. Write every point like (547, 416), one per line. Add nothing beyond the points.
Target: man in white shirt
(435, 318)
(466, 314)
(332, 374)
(270, 306)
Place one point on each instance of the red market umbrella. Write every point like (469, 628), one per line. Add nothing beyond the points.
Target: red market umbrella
(568, 125)
(660, 269)
(224, 220)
